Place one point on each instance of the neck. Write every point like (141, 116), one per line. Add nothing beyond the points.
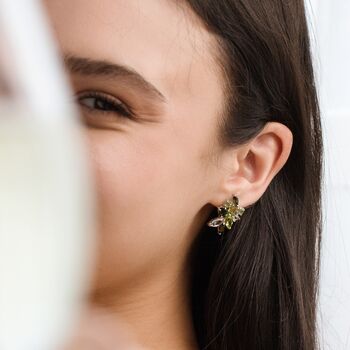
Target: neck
(156, 310)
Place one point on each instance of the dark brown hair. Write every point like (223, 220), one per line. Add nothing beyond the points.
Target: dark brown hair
(256, 286)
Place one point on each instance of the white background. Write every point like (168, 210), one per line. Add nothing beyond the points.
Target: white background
(330, 22)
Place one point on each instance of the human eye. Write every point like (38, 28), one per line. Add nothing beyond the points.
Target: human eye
(101, 103)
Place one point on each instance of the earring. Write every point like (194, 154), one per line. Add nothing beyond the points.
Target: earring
(228, 213)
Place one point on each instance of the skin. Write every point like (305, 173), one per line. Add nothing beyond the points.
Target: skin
(159, 174)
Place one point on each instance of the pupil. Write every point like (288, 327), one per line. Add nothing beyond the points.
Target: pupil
(100, 104)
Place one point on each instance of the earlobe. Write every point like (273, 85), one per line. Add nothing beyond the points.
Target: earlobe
(257, 163)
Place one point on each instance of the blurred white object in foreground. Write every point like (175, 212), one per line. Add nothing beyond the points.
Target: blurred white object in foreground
(47, 221)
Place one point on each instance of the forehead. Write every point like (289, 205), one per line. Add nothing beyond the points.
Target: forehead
(159, 38)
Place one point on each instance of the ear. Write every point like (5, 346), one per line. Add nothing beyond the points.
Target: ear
(247, 170)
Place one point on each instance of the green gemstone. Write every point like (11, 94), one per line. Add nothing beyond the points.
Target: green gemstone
(231, 212)
(229, 221)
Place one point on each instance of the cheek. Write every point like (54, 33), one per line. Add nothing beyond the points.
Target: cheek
(143, 190)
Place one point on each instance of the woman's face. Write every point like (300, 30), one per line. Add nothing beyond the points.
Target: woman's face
(150, 95)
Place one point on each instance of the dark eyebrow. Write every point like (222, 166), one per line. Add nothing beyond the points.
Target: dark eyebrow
(104, 68)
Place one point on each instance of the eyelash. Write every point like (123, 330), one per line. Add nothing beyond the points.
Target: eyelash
(114, 105)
